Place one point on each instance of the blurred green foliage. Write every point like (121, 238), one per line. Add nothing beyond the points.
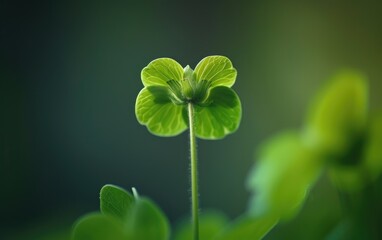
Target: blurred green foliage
(211, 223)
(125, 217)
(368, 165)
(338, 115)
(282, 176)
(248, 228)
(340, 137)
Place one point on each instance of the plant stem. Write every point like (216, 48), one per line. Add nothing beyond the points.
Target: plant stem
(194, 173)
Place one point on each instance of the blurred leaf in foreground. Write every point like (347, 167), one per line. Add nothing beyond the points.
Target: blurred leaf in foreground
(284, 171)
(215, 226)
(97, 226)
(210, 223)
(147, 222)
(248, 228)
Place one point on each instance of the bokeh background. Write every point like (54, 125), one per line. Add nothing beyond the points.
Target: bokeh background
(70, 74)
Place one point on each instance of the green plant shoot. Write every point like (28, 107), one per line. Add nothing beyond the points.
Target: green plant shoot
(176, 98)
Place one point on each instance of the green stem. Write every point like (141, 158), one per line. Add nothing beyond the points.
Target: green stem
(194, 173)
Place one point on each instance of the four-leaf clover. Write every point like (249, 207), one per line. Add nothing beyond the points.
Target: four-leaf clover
(168, 88)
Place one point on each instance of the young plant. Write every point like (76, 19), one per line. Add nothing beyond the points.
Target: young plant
(176, 98)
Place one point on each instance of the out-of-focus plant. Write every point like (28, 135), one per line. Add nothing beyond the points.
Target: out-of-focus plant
(338, 136)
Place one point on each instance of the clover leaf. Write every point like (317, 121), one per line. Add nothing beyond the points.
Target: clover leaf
(115, 201)
(168, 88)
(123, 217)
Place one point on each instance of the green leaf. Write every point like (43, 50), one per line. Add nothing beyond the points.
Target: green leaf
(210, 223)
(220, 116)
(161, 105)
(372, 159)
(147, 222)
(338, 115)
(282, 176)
(155, 109)
(348, 178)
(353, 178)
(248, 228)
(123, 218)
(161, 70)
(115, 201)
(216, 69)
(97, 226)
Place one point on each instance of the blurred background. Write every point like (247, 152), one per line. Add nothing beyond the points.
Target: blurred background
(70, 74)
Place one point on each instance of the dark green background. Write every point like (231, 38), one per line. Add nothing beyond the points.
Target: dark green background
(70, 74)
